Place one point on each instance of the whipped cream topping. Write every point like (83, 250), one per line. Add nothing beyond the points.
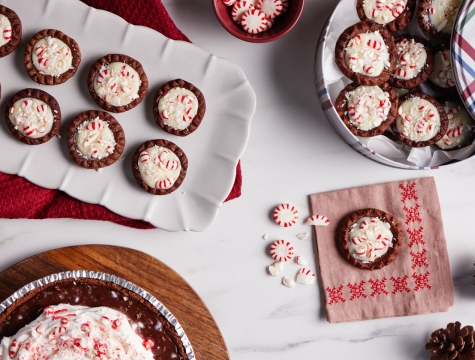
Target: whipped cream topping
(5, 30)
(77, 333)
(31, 117)
(94, 139)
(443, 75)
(442, 14)
(159, 167)
(411, 57)
(178, 107)
(117, 84)
(52, 56)
(370, 238)
(367, 54)
(418, 119)
(368, 107)
(383, 11)
(461, 126)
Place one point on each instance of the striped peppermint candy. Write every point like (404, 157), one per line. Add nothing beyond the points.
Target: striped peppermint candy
(29, 131)
(229, 2)
(170, 165)
(306, 276)
(286, 215)
(317, 220)
(270, 24)
(285, 5)
(165, 184)
(254, 21)
(94, 125)
(7, 33)
(239, 9)
(282, 250)
(144, 156)
(271, 8)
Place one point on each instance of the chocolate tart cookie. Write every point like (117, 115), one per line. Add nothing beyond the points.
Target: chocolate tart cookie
(10, 31)
(95, 139)
(159, 166)
(51, 57)
(437, 17)
(117, 83)
(442, 78)
(461, 129)
(421, 120)
(367, 110)
(165, 344)
(33, 116)
(395, 15)
(365, 53)
(179, 107)
(370, 238)
(414, 62)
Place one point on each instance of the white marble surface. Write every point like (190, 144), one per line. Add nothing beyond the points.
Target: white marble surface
(293, 152)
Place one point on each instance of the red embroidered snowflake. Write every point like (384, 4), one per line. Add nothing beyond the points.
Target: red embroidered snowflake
(335, 294)
(422, 281)
(400, 284)
(357, 290)
(378, 287)
(416, 236)
(412, 214)
(408, 192)
(419, 259)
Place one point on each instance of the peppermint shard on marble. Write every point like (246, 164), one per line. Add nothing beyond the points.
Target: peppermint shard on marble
(317, 220)
(306, 277)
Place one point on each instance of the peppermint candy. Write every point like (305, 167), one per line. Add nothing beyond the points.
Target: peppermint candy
(256, 16)
(286, 215)
(229, 2)
(239, 9)
(300, 260)
(254, 21)
(317, 220)
(276, 268)
(271, 8)
(282, 250)
(165, 184)
(306, 277)
(288, 281)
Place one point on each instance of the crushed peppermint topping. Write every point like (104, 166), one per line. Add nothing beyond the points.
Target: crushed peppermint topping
(418, 119)
(31, 117)
(51, 56)
(460, 129)
(383, 11)
(370, 238)
(159, 167)
(367, 54)
(442, 14)
(178, 107)
(94, 139)
(117, 84)
(368, 107)
(5, 30)
(442, 75)
(411, 58)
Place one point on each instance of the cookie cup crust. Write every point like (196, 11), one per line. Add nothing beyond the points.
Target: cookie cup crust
(35, 74)
(341, 105)
(344, 229)
(444, 121)
(423, 19)
(40, 95)
(198, 117)
(15, 21)
(166, 144)
(111, 58)
(114, 126)
(350, 33)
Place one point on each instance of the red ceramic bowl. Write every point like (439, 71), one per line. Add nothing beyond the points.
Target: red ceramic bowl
(283, 23)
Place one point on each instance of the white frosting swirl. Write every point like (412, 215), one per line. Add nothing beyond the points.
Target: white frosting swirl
(370, 238)
(367, 54)
(52, 56)
(6, 31)
(31, 117)
(442, 14)
(117, 84)
(368, 107)
(443, 75)
(94, 139)
(411, 57)
(460, 130)
(383, 11)
(178, 107)
(77, 333)
(418, 119)
(159, 167)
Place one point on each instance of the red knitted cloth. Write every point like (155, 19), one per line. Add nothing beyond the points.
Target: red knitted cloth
(22, 199)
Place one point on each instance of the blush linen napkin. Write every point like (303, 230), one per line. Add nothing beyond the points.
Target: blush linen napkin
(417, 282)
(22, 199)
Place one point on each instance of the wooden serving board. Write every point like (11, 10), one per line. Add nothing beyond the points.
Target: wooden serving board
(141, 269)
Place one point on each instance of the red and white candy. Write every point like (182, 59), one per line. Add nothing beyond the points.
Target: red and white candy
(254, 21)
(271, 8)
(282, 250)
(286, 215)
(144, 156)
(239, 9)
(229, 2)
(317, 220)
(7, 33)
(256, 16)
(306, 277)
(94, 125)
(170, 164)
(300, 260)
(165, 184)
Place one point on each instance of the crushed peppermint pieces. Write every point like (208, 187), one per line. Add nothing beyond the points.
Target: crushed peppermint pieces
(317, 220)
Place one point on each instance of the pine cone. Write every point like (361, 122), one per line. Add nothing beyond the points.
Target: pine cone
(452, 343)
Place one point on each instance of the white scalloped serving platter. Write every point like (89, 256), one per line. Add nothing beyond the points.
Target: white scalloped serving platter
(213, 150)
